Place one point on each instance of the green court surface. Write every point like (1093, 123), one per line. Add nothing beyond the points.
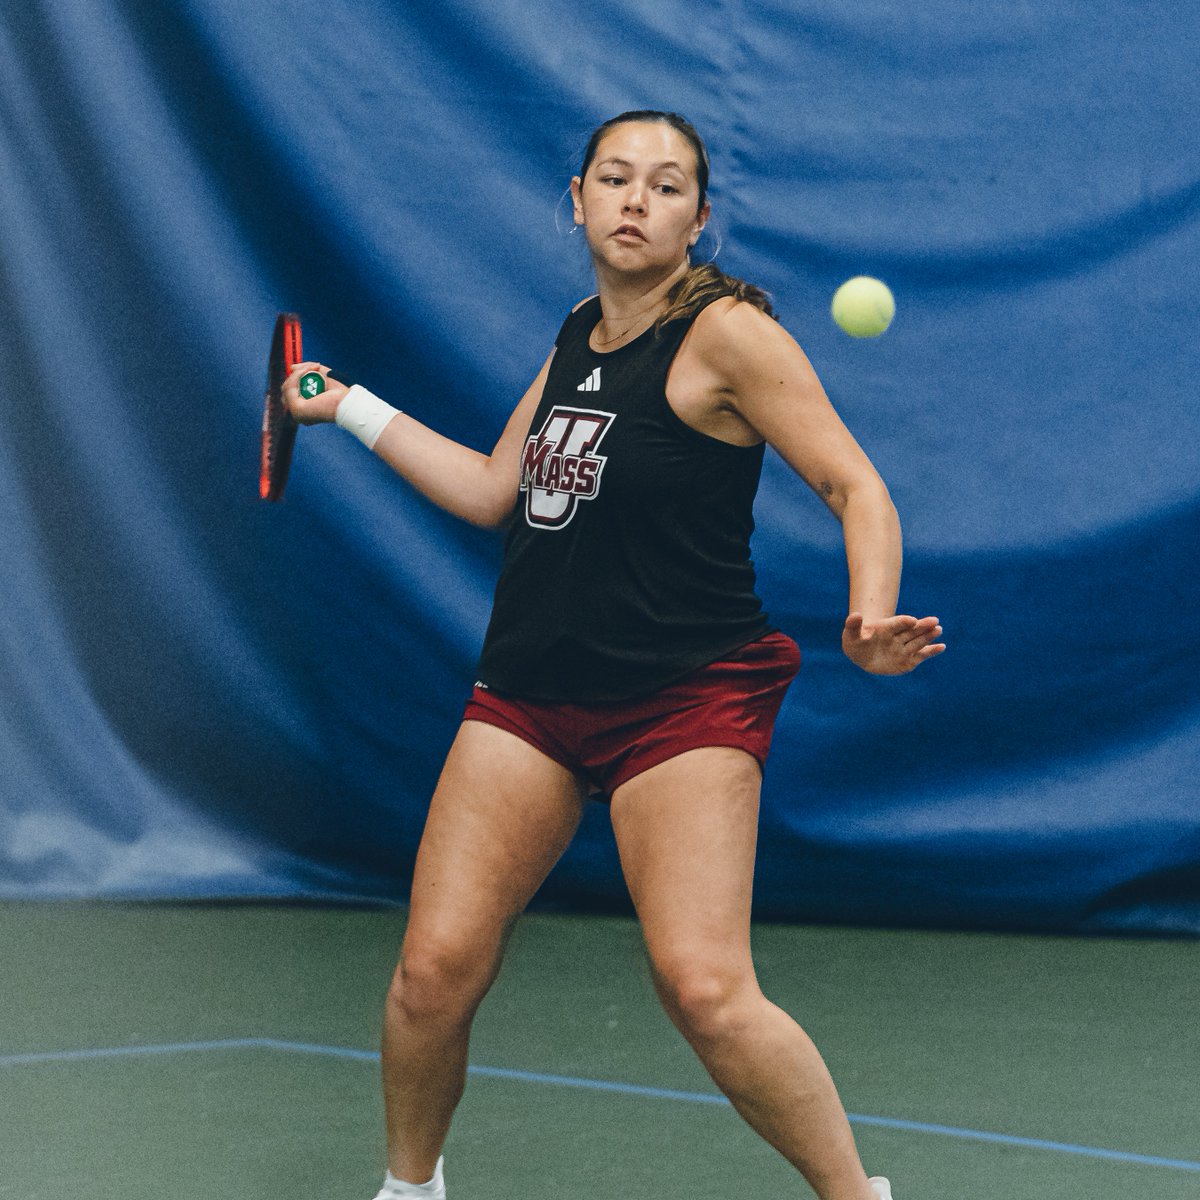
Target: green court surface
(197, 1052)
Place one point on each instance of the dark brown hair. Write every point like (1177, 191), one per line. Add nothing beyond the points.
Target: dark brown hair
(704, 283)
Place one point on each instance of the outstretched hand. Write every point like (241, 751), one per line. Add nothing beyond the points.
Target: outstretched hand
(893, 646)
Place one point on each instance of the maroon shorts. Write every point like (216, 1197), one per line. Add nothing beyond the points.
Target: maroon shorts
(730, 702)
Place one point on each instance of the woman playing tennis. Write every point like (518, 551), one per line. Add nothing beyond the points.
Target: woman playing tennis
(628, 654)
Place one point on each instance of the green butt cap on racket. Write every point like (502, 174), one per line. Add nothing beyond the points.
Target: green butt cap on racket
(312, 383)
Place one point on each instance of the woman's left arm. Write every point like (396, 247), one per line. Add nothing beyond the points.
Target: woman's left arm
(767, 380)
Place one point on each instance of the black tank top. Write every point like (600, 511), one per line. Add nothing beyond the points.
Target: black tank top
(627, 563)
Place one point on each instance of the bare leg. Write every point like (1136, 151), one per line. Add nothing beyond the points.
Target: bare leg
(687, 831)
(500, 818)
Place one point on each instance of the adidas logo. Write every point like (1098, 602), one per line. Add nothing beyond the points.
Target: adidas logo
(591, 383)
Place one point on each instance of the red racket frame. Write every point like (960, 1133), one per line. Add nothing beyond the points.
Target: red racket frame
(279, 426)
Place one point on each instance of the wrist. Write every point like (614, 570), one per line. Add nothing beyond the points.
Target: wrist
(364, 414)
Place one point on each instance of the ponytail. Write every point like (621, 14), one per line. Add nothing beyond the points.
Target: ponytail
(704, 284)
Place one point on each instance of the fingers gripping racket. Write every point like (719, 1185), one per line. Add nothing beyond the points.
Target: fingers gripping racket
(279, 426)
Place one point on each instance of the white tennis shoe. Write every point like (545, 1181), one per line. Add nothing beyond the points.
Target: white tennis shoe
(883, 1189)
(398, 1189)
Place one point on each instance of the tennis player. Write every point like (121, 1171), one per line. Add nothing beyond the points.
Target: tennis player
(627, 653)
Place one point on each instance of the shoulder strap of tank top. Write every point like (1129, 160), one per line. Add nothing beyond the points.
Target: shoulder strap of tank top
(585, 313)
(670, 336)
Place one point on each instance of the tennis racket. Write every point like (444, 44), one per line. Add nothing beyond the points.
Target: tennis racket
(279, 426)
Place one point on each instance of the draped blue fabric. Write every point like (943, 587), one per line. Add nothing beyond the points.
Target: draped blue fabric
(204, 695)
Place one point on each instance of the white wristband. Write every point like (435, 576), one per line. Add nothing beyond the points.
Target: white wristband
(364, 415)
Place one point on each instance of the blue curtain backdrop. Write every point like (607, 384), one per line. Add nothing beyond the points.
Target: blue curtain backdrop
(204, 695)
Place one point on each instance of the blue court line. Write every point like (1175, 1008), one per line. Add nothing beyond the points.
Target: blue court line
(594, 1085)
(48, 1056)
(631, 1089)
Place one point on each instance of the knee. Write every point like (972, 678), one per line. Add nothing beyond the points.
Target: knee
(706, 1003)
(441, 978)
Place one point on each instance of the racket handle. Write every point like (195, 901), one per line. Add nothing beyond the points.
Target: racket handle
(312, 383)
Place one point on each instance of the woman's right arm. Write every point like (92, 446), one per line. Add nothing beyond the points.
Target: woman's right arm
(480, 488)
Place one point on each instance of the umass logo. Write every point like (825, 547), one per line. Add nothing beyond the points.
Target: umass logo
(559, 466)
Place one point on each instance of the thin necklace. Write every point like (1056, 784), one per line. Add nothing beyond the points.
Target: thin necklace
(609, 342)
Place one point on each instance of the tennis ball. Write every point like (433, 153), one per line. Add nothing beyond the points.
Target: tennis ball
(864, 307)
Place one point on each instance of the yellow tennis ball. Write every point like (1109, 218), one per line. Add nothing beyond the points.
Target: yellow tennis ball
(864, 307)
